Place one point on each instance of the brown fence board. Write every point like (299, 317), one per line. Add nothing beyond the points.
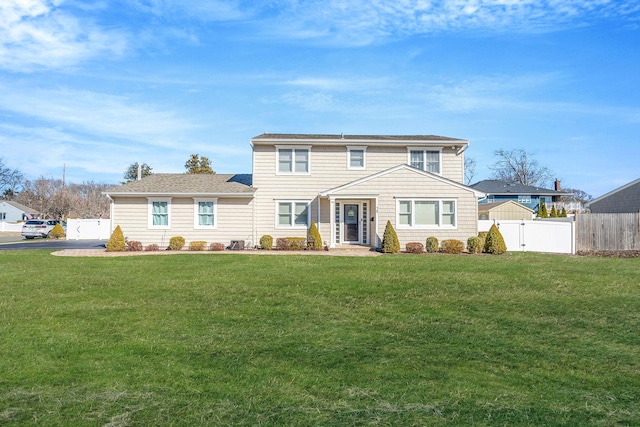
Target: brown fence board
(608, 232)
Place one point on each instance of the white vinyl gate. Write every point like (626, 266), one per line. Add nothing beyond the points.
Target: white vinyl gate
(555, 236)
(88, 229)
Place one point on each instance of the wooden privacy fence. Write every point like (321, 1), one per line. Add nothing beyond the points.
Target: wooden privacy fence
(608, 232)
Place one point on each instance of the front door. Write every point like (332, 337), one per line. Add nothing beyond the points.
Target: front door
(351, 223)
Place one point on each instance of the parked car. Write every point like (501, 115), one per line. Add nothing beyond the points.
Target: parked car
(39, 227)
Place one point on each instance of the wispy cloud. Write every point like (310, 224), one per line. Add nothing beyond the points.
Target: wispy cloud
(36, 34)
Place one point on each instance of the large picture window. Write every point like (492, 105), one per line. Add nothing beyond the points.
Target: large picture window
(159, 213)
(294, 160)
(426, 213)
(292, 214)
(426, 160)
(204, 213)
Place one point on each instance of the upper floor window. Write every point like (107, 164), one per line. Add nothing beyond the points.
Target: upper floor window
(159, 213)
(204, 211)
(427, 160)
(293, 160)
(426, 213)
(356, 158)
(524, 199)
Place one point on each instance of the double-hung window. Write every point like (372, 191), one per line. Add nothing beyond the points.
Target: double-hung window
(524, 199)
(293, 160)
(204, 211)
(159, 213)
(356, 158)
(427, 160)
(426, 213)
(292, 214)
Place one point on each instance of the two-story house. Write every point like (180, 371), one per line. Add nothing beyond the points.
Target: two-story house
(349, 185)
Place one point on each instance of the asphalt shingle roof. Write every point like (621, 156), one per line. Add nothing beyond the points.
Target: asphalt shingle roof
(170, 183)
(344, 137)
(495, 187)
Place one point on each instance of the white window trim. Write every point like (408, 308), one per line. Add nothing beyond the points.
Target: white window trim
(523, 198)
(150, 213)
(293, 148)
(439, 226)
(424, 157)
(364, 157)
(196, 214)
(293, 224)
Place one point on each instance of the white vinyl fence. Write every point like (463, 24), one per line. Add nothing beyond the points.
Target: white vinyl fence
(11, 227)
(88, 229)
(555, 236)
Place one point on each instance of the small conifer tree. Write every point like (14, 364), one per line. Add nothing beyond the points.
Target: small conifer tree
(542, 211)
(116, 242)
(563, 213)
(390, 242)
(554, 212)
(494, 243)
(314, 240)
(57, 231)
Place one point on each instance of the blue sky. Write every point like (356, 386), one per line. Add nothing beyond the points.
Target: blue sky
(98, 85)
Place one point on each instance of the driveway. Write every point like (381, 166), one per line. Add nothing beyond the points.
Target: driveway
(14, 241)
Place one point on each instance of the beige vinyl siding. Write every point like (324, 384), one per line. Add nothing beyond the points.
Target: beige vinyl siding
(328, 170)
(234, 221)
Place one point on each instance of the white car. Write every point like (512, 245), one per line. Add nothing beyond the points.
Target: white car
(39, 227)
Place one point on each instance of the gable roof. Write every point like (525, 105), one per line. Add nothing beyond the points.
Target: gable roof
(486, 207)
(612, 192)
(397, 168)
(495, 187)
(20, 207)
(169, 184)
(330, 139)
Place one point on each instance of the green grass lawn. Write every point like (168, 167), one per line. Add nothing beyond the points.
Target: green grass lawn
(218, 339)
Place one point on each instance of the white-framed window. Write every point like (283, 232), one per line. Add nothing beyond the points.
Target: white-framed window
(524, 199)
(426, 213)
(3, 216)
(159, 213)
(427, 160)
(205, 213)
(356, 158)
(292, 214)
(293, 160)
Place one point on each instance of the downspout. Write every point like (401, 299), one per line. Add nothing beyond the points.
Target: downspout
(111, 210)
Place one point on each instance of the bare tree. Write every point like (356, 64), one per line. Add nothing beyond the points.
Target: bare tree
(469, 170)
(577, 196)
(10, 180)
(518, 166)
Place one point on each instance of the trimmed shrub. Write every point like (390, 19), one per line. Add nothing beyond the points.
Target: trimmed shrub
(494, 243)
(475, 244)
(57, 231)
(266, 242)
(176, 243)
(133, 246)
(452, 246)
(563, 213)
(282, 244)
(217, 247)
(432, 245)
(390, 242)
(414, 248)
(197, 245)
(314, 240)
(483, 236)
(152, 248)
(116, 242)
(297, 243)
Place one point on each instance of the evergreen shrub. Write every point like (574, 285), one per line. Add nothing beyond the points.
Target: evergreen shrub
(475, 244)
(563, 213)
(390, 241)
(542, 211)
(494, 243)
(116, 242)
(133, 246)
(217, 247)
(554, 212)
(432, 245)
(297, 243)
(414, 248)
(197, 245)
(314, 240)
(176, 243)
(452, 246)
(57, 231)
(266, 242)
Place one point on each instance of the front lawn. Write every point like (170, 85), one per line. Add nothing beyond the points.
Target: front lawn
(219, 339)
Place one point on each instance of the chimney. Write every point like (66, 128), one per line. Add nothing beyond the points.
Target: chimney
(556, 185)
(139, 171)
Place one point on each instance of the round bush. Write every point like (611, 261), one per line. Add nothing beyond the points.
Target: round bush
(133, 246)
(176, 243)
(432, 245)
(474, 245)
(266, 242)
(452, 246)
(217, 247)
(414, 248)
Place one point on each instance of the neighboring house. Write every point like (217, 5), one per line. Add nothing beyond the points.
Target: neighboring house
(625, 199)
(12, 211)
(506, 210)
(525, 195)
(349, 185)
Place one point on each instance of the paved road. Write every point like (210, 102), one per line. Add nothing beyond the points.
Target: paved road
(57, 245)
